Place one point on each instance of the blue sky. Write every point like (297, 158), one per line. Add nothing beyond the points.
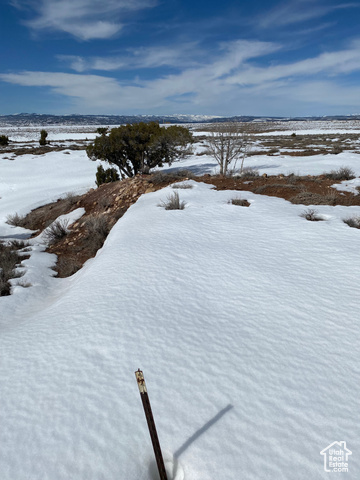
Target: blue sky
(264, 57)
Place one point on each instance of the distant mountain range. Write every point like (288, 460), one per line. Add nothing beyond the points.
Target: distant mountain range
(28, 119)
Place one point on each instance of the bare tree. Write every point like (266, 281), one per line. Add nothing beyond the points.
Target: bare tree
(229, 143)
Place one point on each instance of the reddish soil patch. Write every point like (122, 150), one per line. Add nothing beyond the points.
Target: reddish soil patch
(287, 188)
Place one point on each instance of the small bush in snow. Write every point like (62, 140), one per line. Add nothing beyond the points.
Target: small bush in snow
(56, 232)
(239, 201)
(311, 215)
(71, 199)
(168, 177)
(23, 284)
(182, 186)
(43, 136)
(19, 245)
(292, 178)
(343, 173)
(249, 173)
(172, 202)
(9, 259)
(309, 198)
(97, 229)
(353, 222)
(16, 220)
(4, 140)
(337, 149)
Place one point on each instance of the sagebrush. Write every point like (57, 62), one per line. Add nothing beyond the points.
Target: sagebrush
(172, 202)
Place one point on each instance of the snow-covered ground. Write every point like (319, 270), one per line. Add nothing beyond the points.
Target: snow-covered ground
(311, 131)
(244, 321)
(55, 132)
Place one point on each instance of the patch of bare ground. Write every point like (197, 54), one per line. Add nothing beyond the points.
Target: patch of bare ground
(306, 190)
(107, 203)
(103, 207)
(42, 150)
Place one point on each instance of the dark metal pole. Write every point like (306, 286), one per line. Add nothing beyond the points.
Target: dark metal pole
(151, 424)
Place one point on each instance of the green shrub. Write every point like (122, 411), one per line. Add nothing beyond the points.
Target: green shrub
(4, 140)
(139, 147)
(102, 130)
(106, 176)
(43, 136)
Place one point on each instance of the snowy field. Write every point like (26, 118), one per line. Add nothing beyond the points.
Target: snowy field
(56, 133)
(243, 320)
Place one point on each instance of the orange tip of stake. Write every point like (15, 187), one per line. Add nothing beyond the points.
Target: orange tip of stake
(140, 381)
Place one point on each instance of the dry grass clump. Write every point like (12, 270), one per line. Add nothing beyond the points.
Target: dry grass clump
(293, 178)
(170, 177)
(9, 261)
(97, 229)
(309, 198)
(249, 173)
(353, 222)
(182, 186)
(241, 202)
(311, 215)
(56, 232)
(343, 173)
(270, 186)
(30, 221)
(67, 266)
(337, 149)
(70, 200)
(172, 202)
(16, 220)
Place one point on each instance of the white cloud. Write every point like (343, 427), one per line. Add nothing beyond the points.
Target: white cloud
(179, 56)
(84, 19)
(330, 63)
(88, 88)
(228, 83)
(298, 11)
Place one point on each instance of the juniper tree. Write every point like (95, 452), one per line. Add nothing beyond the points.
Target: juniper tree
(136, 148)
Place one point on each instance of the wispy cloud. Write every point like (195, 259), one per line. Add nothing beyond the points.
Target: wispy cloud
(84, 19)
(201, 82)
(227, 81)
(330, 63)
(298, 11)
(183, 55)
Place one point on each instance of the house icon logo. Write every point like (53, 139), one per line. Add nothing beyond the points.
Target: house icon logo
(336, 457)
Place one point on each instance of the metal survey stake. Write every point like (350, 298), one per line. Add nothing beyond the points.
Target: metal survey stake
(151, 424)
